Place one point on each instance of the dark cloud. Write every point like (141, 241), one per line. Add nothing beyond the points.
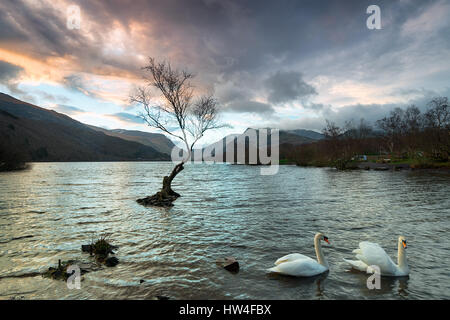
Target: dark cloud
(9, 71)
(127, 117)
(41, 26)
(211, 36)
(249, 106)
(8, 77)
(229, 35)
(286, 86)
(232, 93)
(314, 106)
(369, 112)
(245, 44)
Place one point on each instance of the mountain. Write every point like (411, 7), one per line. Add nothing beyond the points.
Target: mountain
(287, 139)
(157, 141)
(39, 134)
(307, 134)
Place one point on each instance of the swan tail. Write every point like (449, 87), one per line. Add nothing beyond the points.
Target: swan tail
(273, 269)
(357, 264)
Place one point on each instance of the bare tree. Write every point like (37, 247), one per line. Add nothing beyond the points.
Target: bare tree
(437, 121)
(357, 131)
(331, 130)
(412, 126)
(337, 146)
(412, 119)
(392, 127)
(174, 106)
(438, 114)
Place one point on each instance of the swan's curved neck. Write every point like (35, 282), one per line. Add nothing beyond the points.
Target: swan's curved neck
(319, 252)
(401, 257)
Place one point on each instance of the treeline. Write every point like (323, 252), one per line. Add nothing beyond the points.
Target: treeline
(12, 160)
(403, 135)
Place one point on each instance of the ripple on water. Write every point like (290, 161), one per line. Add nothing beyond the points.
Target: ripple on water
(48, 212)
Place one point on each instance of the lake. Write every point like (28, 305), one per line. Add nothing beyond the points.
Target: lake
(49, 211)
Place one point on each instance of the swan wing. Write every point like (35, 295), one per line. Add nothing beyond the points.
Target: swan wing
(357, 264)
(291, 257)
(372, 254)
(299, 268)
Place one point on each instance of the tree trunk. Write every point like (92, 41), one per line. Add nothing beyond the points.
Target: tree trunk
(166, 189)
(166, 196)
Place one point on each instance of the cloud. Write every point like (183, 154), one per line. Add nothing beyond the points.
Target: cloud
(77, 83)
(212, 37)
(286, 86)
(9, 74)
(126, 117)
(249, 106)
(369, 112)
(314, 106)
(255, 55)
(69, 110)
(9, 71)
(47, 97)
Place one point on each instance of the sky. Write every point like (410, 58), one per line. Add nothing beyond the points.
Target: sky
(280, 64)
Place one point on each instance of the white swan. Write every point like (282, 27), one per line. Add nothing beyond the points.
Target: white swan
(370, 254)
(299, 265)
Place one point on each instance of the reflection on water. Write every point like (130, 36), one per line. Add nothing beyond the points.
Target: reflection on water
(314, 285)
(48, 212)
(389, 285)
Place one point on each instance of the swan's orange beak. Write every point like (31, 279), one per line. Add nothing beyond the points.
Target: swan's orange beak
(326, 240)
(404, 244)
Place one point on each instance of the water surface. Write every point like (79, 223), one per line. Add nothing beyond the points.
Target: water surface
(48, 212)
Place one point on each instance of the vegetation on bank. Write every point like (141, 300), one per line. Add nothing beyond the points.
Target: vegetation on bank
(404, 137)
(12, 161)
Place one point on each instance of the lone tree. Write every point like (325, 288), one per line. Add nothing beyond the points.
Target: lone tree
(174, 106)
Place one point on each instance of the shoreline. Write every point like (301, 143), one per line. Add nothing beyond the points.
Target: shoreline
(385, 166)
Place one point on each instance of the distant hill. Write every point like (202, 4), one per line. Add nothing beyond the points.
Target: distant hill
(38, 134)
(294, 138)
(157, 141)
(287, 139)
(307, 134)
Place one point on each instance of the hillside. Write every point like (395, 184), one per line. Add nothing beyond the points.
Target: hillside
(157, 141)
(38, 134)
